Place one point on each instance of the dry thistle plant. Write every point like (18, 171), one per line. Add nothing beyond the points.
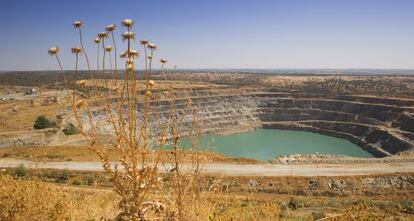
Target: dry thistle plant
(140, 129)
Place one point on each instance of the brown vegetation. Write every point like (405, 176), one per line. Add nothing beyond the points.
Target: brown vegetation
(134, 176)
(84, 196)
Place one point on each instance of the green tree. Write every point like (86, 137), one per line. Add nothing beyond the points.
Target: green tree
(42, 122)
(71, 129)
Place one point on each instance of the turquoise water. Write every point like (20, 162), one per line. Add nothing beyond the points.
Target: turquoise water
(265, 144)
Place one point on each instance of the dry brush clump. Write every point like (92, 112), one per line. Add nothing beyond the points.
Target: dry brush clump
(28, 201)
(139, 127)
(36, 200)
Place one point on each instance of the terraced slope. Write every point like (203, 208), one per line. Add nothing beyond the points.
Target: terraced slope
(382, 126)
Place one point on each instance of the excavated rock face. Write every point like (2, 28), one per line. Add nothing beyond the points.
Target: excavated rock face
(378, 125)
(382, 126)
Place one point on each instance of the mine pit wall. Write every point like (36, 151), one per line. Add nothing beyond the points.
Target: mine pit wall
(380, 126)
(373, 126)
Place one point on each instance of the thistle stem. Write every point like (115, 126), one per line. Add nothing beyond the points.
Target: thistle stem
(110, 61)
(86, 55)
(97, 58)
(103, 59)
(61, 69)
(163, 72)
(75, 76)
(146, 59)
(115, 58)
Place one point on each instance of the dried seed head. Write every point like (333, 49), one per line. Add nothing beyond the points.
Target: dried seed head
(152, 46)
(130, 67)
(116, 88)
(149, 57)
(148, 93)
(77, 24)
(128, 22)
(128, 35)
(110, 28)
(76, 50)
(163, 60)
(81, 104)
(177, 138)
(82, 83)
(124, 54)
(97, 40)
(144, 42)
(132, 53)
(108, 48)
(103, 34)
(53, 50)
(151, 83)
(162, 139)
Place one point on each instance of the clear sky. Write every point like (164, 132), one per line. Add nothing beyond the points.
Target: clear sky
(219, 33)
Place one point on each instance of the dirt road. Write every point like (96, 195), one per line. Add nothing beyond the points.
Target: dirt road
(245, 169)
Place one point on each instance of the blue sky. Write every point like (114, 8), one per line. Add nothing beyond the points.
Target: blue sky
(219, 33)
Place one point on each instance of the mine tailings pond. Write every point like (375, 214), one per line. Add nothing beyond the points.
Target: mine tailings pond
(265, 144)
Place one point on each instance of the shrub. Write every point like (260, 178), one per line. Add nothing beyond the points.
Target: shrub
(42, 123)
(77, 181)
(70, 129)
(293, 203)
(89, 179)
(317, 215)
(20, 170)
(61, 176)
(64, 175)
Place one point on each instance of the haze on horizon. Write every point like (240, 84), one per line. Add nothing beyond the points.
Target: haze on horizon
(250, 34)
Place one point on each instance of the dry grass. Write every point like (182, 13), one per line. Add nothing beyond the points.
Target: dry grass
(83, 153)
(161, 85)
(390, 86)
(20, 115)
(36, 200)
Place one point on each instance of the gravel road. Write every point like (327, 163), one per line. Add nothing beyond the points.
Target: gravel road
(244, 169)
